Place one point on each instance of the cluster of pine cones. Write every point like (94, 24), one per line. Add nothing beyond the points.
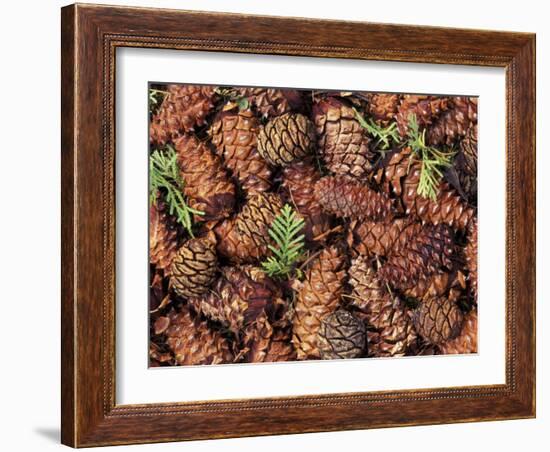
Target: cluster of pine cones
(386, 272)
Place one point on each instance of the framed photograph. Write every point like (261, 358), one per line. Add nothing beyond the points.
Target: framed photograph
(281, 225)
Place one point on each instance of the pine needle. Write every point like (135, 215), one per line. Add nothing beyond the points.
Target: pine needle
(156, 97)
(164, 174)
(433, 161)
(384, 136)
(285, 232)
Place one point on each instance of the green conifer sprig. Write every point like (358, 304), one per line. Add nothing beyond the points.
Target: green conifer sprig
(164, 174)
(285, 232)
(433, 161)
(156, 96)
(385, 136)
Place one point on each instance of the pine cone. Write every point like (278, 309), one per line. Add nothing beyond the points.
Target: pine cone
(183, 108)
(401, 176)
(438, 320)
(466, 164)
(383, 107)
(233, 245)
(453, 123)
(164, 237)
(299, 180)
(158, 356)
(377, 238)
(286, 138)
(466, 341)
(271, 102)
(471, 257)
(419, 258)
(194, 267)
(239, 296)
(391, 331)
(342, 142)
(341, 336)
(234, 134)
(191, 340)
(344, 197)
(264, 342)
(318, 296)
(426, 109)
(450, 284)
(206, 183)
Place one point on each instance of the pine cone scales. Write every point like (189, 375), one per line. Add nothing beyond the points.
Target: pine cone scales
(391, 331)
(467, 163)
(271, 102)
(191, 340)
(264, 342)
(425, 108)
(206, 184)
(341, 336)
(438, 320)
(402, 176)
(419, 258)
(455, 122)
(183, 108)
(245, 238)
(194, 267)
(318, 296)
(342, 142)
(299, 180)
(377, 238)
(443, 283)
(466, 341)
(383, 107)
(346, 198)
(286, 138)
(164, 238)
(234, 135)
(471, 257)
(238, 297)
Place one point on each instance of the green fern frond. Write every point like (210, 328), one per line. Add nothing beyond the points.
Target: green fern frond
(385, 136)
(433, 161)
(285, 232)
(164, 174)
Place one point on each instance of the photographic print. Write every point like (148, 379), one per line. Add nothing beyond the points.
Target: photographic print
(299, 224)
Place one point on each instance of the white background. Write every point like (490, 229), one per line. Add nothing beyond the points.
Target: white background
(137, 384)
(29, 384)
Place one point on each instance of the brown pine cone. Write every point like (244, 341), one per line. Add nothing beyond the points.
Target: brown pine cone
(239, 296)
(377, 238)
(286, 138)
(159, 355)
(191, 340)
(341, 336)
(453, 123)
(194, 267)
(233, 245)
(466, 341)
(206, 183)
(389, 323)
(234, 134)
(342, 143)
(402, 175)
(438, 320)
(426, 109)
(470, 252)
(164, 237)
(450, 284)
(383, 107)
(344, 197)
(317, 297)
(426, 253)
(183, 108)
(265, 342)
(466, 164)
(271, 102)
(299, 180)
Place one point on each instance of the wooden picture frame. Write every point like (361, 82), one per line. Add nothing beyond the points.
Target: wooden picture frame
(90, 36)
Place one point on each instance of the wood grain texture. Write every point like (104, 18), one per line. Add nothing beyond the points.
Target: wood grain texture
(90, 36)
